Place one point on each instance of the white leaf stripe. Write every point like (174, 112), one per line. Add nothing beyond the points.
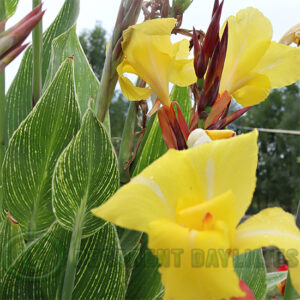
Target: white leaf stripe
(34, 150)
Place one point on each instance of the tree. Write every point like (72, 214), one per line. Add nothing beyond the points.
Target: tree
(94, 45)
(278, 174)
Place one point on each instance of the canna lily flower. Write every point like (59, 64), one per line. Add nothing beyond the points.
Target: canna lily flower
(190, 203)
(254, 64)
(150, 54)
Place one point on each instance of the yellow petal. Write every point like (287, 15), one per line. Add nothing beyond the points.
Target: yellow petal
(144, 53)
(272, 227)
(222, 208)
(249, 36)
(280, 64)
(220, 134)
(253, 91)
(151, 195)
(182, 71)
(152, 27)
(181, 179)
(181, 49)
(198, 266)
(129, 90)
(228, 164)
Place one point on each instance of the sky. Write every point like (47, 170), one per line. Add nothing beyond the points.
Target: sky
(283, 14)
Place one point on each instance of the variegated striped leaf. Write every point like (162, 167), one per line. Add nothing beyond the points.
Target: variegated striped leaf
(19, 95)
(11, 243)
(251, 268)
(38, 273)
(7, 8)
(85, 176)
(145, 281)
(275, 278)
(34, 149)
(86, 83)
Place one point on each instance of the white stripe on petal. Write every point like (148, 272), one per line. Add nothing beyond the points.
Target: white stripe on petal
(210, 176)
(266, 232)
(156, 189)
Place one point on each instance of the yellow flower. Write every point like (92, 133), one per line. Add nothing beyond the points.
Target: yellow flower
(150, 54)
(292, 36)
(254, 64)
(190, 203)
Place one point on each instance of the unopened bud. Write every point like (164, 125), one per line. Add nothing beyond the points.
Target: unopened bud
(292, 36)
(198, 137)
(179, 6)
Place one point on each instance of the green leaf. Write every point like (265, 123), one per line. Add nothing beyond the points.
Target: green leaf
(155, 146)
(275, 277)
(182, 96)
(128, 239)
(11, 243)
(67, 44)
(129, 260)
(100, 271)
(34, 149)
(38, 272)
(7, 8)
(85, 176)
(19, 95)
(251, 268)
(145, 283)
(86, 83)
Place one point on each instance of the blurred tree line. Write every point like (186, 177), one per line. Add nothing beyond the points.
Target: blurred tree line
(278, 174)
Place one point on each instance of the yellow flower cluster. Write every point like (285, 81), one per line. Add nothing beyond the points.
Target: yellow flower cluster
(191, 202)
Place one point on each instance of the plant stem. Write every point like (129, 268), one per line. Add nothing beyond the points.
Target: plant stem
(289, 290)
(128, 13)
(3, 142)
(2, 120)
(37, 59)
(73, 255)
(127, 143)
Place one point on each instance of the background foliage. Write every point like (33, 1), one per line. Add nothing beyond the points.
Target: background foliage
(278, 174)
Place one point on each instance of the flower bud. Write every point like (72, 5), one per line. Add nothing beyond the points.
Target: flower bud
(292, 36)
(198, 137)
